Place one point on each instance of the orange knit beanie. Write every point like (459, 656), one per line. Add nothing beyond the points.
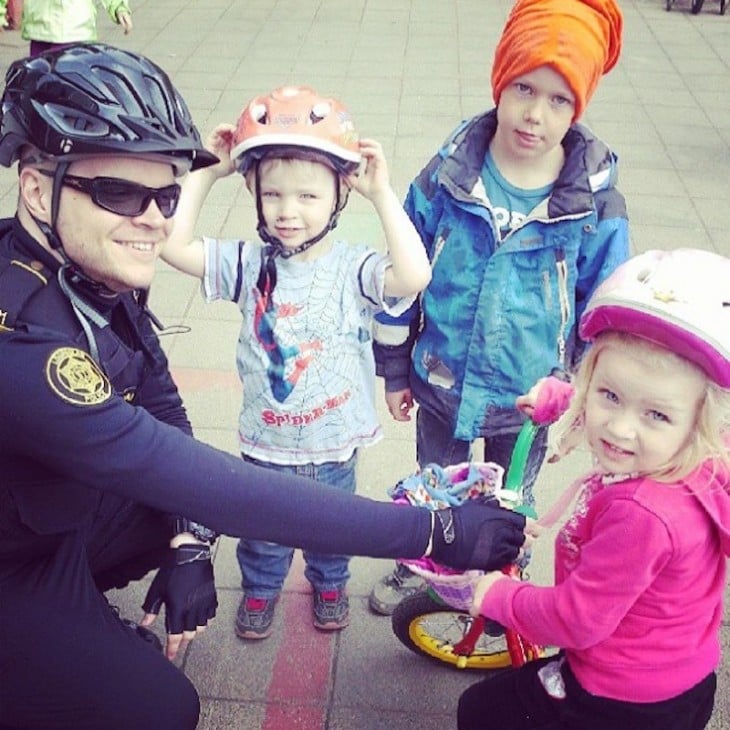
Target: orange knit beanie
(580, 39)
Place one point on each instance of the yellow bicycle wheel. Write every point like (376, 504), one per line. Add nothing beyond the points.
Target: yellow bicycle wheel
(431, 629)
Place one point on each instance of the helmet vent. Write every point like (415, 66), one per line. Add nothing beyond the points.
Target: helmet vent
(319, 112)
(72, 121)
(258, 112)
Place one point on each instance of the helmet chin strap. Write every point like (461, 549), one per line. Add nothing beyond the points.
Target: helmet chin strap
(49, 231)
(70, 267)
(274, 248)
(70, 273)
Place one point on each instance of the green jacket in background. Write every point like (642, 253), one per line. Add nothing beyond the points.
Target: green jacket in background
(63, 21)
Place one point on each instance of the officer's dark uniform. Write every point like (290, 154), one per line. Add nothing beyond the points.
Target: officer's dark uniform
(61, 541)
(82, 444)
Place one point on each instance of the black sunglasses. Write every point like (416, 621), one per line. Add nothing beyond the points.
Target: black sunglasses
(124, 197)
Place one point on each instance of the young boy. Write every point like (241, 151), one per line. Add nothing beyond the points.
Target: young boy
(521, 220)
(305, 351)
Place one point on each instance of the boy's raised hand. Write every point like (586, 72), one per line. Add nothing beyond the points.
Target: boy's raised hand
(410, 269)
(220, 143)
(372, 179)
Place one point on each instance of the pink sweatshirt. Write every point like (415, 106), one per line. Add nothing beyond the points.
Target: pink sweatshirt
(639, 580)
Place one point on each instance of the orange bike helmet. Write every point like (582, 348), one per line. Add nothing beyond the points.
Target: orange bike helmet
(296, 117)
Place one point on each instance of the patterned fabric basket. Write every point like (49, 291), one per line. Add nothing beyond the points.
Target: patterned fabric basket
(454, 589)
(435, 488)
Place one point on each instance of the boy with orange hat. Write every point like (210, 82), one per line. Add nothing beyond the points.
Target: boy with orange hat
(521, 219)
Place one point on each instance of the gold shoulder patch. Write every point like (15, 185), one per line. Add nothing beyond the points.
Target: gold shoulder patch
(76, 378)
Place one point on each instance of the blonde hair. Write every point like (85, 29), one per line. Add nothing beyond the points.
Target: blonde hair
(709, 439)
(291, 154)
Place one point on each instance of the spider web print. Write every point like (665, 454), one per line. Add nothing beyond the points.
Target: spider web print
(308, 368)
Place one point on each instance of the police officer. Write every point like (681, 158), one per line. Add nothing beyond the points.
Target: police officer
(100, 478)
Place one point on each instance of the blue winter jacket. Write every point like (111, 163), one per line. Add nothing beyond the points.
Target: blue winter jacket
(496, 318)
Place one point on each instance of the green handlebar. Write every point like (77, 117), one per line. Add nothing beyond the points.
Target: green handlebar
(518, 461)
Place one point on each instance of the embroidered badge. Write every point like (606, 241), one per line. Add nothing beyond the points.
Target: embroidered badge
(76, 378)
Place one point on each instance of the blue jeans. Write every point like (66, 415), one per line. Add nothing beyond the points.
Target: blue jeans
(264, 565)
(435, 444)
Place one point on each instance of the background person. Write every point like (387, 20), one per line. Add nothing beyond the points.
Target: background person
(51, 24)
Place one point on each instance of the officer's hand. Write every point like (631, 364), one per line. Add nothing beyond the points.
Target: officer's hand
(477, 535)
(185, 584)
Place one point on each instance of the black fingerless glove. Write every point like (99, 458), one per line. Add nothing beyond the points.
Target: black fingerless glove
(185, 584)
(477, 535)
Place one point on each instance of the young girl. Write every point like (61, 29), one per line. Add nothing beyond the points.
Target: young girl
(308, 300)
(640, 564)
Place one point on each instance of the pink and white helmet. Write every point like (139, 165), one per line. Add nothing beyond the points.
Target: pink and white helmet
(677, 299)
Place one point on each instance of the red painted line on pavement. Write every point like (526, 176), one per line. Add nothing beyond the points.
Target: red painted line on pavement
(296, 698)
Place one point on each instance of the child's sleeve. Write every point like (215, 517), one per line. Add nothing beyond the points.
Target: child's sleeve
(607, 250)
(395, 335)
(114, 7)
(594, 598)
(225, 268)
(371, 280)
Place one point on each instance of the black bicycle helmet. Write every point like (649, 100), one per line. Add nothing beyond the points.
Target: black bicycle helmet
(95, 99)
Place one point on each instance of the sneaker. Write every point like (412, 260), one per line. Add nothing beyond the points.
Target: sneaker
(390, 590)
(331, 610)
(254, 617)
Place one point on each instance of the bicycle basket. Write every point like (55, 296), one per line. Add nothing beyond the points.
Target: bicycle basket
(435, 488)
(454, 589)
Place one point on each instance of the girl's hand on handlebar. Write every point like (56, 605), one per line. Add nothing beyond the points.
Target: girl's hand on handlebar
(533, 528)
(526, 403)
(481, 589)
(546, 401)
